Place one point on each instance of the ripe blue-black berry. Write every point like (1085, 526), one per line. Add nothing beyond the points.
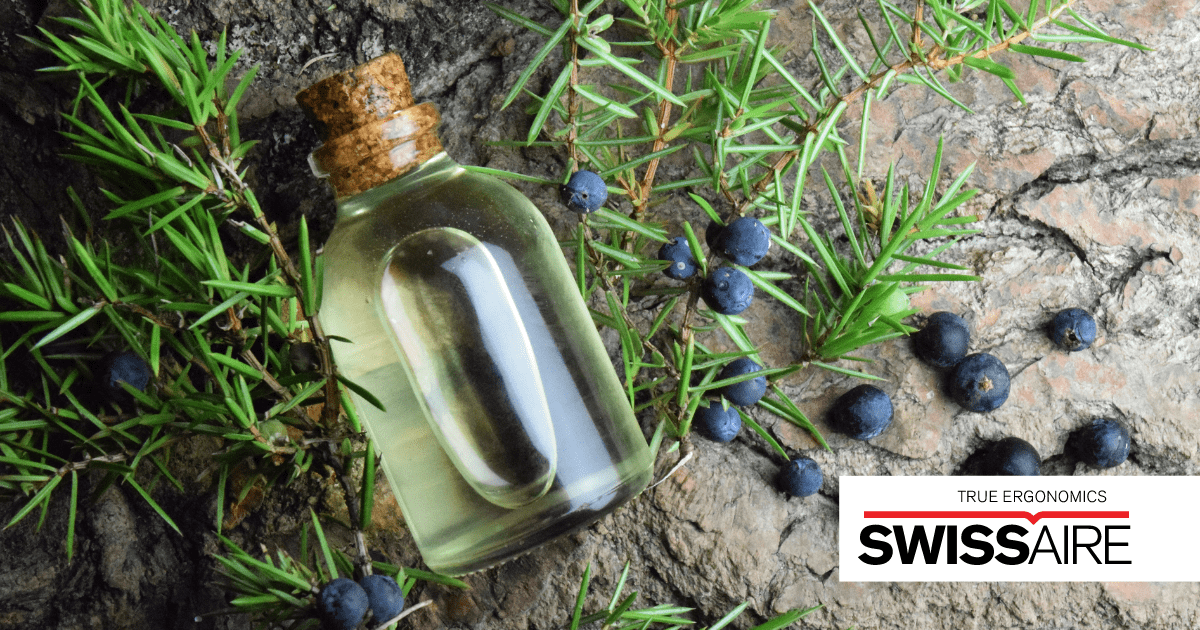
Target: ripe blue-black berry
(863, 412)
(304, 357)
(745, 241)
(747, 392)
(728, 291)
(1073, 329)
(125, 366)
(717, 423)
(584, 192)
(979, 382)
(343, 604)
(1011, 456)
(384, 597)
(800, 477)
(1103, 443)
(712, 234)
(683, 265)
(943, 341)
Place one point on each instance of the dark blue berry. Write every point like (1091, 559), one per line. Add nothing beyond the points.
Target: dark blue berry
(712, 234)
(862, 413)
(728, 291)
(1011, 456)
(1103, 443)
(745, 241)
(343, 604)
(304, 357)
(584, 192)
(125, 366)
(1073, 329)
(979, 382)
(683, 265)
(800, 477)
(943, 341)
(747, 392)
(384, 597)
(717, 423)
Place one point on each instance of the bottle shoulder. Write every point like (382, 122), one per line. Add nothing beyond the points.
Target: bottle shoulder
(452, 197)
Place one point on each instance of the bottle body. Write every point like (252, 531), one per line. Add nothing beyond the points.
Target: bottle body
(505, 424)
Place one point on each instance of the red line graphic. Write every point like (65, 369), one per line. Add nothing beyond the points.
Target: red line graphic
(1032, 518)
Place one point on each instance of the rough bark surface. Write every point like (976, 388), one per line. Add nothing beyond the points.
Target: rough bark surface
(1091, 198)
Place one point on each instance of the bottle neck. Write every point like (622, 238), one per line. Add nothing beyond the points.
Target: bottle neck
(428, 172)
(376, 153)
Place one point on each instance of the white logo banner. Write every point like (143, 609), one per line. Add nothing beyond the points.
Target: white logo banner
(1019, 529)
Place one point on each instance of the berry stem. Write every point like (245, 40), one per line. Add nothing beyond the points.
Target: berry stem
(362, 559)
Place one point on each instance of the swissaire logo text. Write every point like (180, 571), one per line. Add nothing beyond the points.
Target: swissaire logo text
(1018, 528)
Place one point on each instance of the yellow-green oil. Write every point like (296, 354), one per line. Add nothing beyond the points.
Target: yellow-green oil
(505, 424)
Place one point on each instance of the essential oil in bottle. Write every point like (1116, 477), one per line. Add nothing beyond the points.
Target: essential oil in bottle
(505, 424)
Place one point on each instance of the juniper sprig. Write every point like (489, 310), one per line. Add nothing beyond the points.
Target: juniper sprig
(661, 80)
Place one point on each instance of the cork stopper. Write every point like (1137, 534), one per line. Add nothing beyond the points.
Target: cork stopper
(371, 129)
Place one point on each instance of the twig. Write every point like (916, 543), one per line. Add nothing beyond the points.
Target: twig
(362, 558)
(404, 614)
(246, 200)
(670, 57)
(686, 451)
(918, 17)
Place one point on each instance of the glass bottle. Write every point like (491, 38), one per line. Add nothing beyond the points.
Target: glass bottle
(505, 424)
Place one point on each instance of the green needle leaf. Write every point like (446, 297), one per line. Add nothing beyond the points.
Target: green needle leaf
(628, 71)
(71, 515)
(766, 436)
(325, 552)
(361, 391)
(150, 501)
(89, 263)
(252, 288)
(987, 65)
(783, 407)
(729, 617)
(1045, 52)
(368, 486)
(583, 587)
(786, 619)
(42, 495)
(1096, 33)
(146, 202)
(306, 270)
(555, 39)
(21, 293)
(517, 18)
(436, 578)
(590, 93)
(237, 366)
(837, 42)
(69, 325)
(236, 97)
(548, 104)
(774, 291)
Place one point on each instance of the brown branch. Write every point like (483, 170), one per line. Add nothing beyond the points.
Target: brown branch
(362, 557)
(279, 390)
(572, 99)
(83, 463)
(245, 199)
(918, 17)
(670, 56)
